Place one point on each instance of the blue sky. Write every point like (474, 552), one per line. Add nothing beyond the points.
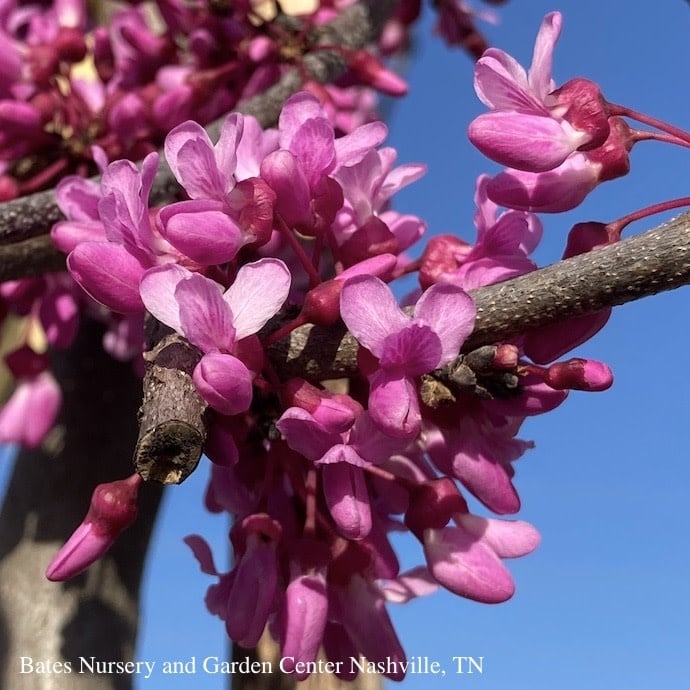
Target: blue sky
(603, 602)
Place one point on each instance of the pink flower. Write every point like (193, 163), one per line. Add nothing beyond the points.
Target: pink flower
(406, 347)
(466, 558)
(342, 449)
(531, 127)
(215, 321)
(109, 268)
(113, 509)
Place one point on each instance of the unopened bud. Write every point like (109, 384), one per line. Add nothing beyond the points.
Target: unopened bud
(432, 504)
(372, 72)
(113, 509)
(580, 103)
(584, 237)
(579, 374)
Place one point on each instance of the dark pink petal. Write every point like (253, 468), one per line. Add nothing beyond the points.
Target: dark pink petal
(450, 312)
(394, 406)
(313, 147)
(523, 141)
(560, 189)
(347, 497)
(253, 592)
(224, 383)
(202, 231)
(371, 312)
(363, 613)
(259, 291)
(548, 343)
(109, 273)
(84, 547)
(466, 565)
(414, 350)
(202, 553)
(285, 176)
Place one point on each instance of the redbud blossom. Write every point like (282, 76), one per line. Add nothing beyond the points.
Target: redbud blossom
(113, 509)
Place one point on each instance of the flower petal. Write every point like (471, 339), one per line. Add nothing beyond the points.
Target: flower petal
(257, 294)
(370, 311)
(450, 312)
(157, 289)
(109, 273)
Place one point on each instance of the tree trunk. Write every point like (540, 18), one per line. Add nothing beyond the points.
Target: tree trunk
(95, 614)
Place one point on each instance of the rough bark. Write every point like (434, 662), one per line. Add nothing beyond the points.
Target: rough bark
(48, 495)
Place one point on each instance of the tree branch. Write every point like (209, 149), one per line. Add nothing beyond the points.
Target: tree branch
(637, 267)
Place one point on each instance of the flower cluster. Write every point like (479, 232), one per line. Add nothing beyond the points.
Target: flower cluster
(316, 474)
(278, 231)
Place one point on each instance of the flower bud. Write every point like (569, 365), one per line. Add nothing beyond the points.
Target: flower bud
(443, 254)
(113, 509)
(432, 504)
(579, 374)
(580, 103)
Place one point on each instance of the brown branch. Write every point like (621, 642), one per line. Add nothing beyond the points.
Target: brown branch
(637, 267)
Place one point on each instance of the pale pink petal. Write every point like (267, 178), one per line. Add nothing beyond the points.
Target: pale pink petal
(259, 291)
(501, 84)
(297, 110)
(508, 538)
(205, 317)
(224, 383)
(157, 288)
(305, 435)
(109, 273)
(231, 133)
(189, 153)
(313, 147)
(467, 566)
(540, 71)
(450, 312)
(417, 582)
(351, 148)
(372, 445)
(370, 311)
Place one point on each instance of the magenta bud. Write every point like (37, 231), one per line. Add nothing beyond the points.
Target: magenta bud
(580, 103)
(612, 155)
(506, 357)
(322, 303)
(579, 374)
(113, 509)
(432, 504)
(584, 237)
(70, 44)
(443, 254)
(371, 71)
